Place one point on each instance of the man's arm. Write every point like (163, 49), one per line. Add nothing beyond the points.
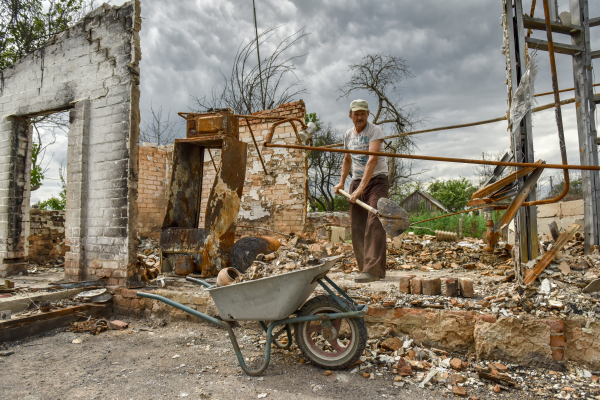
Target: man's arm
(347, 164)
(374, 146)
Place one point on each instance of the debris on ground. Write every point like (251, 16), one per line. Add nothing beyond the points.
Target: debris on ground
(90, 324)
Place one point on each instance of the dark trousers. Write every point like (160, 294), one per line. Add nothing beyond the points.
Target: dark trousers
(368, 235)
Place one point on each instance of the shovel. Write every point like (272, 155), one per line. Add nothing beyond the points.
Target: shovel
(394, 218)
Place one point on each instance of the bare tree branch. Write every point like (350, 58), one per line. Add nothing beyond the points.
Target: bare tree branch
(380, 75)
(157, 130)
(241, 91)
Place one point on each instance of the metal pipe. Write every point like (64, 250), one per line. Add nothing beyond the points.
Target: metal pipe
(199, 281)
(256, 146)
(560, 91)
(257, 116)
(212, 159)
(181, 307)
(262, 94)
(271, 130)
(558, 111)
(442, 159)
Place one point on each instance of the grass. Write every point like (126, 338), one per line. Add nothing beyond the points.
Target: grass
(473, 225)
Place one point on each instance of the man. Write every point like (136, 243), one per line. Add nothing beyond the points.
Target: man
(369, 184)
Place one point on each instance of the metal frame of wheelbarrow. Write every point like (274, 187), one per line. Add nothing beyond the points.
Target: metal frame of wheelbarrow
(269, 330)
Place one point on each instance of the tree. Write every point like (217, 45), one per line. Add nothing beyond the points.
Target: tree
(556, 185)
(45, 129)
(26, 25)
(56, 203)
(241, 91)
(324, 168)
(379, 75)
(454, 194)
(156, 130)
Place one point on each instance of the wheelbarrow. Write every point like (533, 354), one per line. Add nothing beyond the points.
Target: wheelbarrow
(329, 329)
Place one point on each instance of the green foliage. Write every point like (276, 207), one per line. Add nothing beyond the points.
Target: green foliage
(37, 173)
(56, 203)
(53, 203)
(26, 25)
(340, 203)
(312, 117)
(473, 225)
(454, 194)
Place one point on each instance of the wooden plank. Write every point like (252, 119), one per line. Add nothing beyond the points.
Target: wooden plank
(540, 25)
(36, 328)
(594, 21)
(533, 274)
(11, 323)
(19, 304)
(595, 54)
(561, 48)
(494, 187)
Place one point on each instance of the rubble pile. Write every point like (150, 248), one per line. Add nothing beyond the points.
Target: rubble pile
(400, 360)
(409, 251)
(297, 253)
(148, 259)
(58, 265)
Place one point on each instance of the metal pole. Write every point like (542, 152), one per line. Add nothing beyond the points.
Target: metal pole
(262, 93)
(586, 124)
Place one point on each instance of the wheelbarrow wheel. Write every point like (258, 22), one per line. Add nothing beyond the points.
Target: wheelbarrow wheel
(334, 344)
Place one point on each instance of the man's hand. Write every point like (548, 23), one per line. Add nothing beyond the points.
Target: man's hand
(356, 194)
(336, 188)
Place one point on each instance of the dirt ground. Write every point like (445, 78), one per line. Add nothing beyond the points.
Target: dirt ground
(180, 360)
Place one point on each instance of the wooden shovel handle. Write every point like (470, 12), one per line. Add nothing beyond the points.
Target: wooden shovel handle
(360, 203)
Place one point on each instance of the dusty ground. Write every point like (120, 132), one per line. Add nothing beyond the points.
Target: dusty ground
(181, 360)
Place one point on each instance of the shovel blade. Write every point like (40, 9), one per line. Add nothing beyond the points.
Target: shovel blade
(395, 219)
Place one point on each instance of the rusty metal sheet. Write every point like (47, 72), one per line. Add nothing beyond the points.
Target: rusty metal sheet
(182, 240)
(223, 207)
(183, 205)
(222, 122)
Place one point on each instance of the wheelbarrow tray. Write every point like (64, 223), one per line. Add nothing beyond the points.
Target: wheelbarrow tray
(271, 298)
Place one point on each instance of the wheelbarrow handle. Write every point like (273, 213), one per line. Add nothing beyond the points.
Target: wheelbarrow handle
(360, 203)
(200, 281)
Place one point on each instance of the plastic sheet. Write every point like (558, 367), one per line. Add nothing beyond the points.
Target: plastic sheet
(523, 100)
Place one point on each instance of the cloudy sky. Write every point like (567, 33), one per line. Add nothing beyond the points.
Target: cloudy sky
(453, 49)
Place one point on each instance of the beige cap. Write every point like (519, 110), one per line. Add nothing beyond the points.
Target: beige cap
(359, 104)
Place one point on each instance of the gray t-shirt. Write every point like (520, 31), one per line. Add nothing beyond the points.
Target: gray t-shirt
(353, 141)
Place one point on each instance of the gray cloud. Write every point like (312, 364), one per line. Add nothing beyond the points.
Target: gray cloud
(451, 46)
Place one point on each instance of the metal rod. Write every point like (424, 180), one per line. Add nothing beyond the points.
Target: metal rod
(257, 116)
(262, 94)
(199, 281)
(212, 159)
(256, 146)
(181, 307)
(450, 127)
(531, 15)
(560, 91)
(558, 111)
(442, 159)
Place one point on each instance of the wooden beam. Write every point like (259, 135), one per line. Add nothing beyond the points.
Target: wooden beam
(594, 21)
(595, 54)
(11, 323)
(561, 48)
(494, 187)
(536, 271)
(540, 25)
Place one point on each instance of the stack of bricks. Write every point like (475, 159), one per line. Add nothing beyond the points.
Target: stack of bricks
(449, 287)
(46, 236)
(277, 200)
(154, 176)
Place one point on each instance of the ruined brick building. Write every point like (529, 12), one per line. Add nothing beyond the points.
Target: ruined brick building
(115, 188)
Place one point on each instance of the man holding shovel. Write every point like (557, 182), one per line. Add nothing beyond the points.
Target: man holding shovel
(369, 184)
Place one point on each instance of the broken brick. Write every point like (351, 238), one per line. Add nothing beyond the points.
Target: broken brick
(404, 368)
(117, 324)
(459, 391)
(450, 287)
(456, 364)
(431, 287)
(416, 285)
(404, 284)
(391, 344)
(465, 286)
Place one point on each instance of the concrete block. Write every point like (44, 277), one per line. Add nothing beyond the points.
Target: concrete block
(572, 208)
(404, 285)
(465, 286)
(450, 287)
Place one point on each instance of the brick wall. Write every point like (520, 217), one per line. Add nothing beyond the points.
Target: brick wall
(46, 236)
(277, 200)
(564, 213)
(154, 174)
(91, 69)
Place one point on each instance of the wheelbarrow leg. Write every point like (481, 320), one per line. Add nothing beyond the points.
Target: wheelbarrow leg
(240, 357)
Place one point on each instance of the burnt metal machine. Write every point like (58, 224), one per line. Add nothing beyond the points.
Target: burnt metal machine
(186, 246)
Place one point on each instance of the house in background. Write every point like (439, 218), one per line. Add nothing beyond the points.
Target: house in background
(412, 203)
